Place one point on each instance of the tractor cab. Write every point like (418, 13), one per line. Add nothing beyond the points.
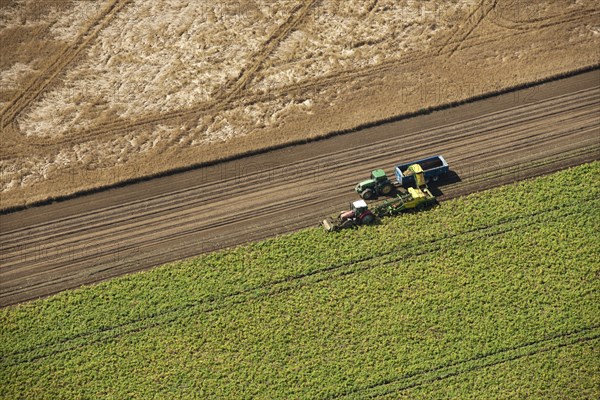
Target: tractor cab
(359, 213)
(358, 207)
(379, 176)
(377, 184)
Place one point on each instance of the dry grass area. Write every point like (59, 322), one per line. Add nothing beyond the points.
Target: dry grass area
(127, 88)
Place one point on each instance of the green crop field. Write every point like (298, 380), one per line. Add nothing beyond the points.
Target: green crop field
(492, 295)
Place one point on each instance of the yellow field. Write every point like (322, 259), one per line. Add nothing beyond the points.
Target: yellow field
(96, 92)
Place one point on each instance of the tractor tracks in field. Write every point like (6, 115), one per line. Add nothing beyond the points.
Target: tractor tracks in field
(473, 20)
(230, 90)
(284, 190)
(292, 282)
(481, 361)
(39, 84)
(234, 94)
(476, 133)
(297, 15)
(156, 218)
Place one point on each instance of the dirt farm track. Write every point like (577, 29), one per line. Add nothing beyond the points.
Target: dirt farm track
(505, 138)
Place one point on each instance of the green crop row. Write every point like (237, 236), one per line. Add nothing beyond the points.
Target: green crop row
(483, 285)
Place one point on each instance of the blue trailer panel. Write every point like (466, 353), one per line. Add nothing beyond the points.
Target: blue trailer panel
(433, 168)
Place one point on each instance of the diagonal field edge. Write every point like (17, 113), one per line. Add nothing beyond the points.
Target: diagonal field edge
(81, 193)
(298, 277)
(271, 288)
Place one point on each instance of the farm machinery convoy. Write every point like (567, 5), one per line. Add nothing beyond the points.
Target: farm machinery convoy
(410, 190)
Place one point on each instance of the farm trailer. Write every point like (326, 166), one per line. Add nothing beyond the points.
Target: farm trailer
(413, 174)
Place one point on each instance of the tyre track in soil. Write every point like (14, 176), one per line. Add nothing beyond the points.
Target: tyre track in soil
(297, 15)
(237, 97)
(64, 59)
(486, 8)
(464, 30)
(47, 249)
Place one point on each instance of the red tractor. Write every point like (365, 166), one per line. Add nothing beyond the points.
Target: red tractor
(359, 214)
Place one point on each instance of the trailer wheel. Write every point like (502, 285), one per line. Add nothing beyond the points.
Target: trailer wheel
(387, 189)
(435, 178)
(367, 194)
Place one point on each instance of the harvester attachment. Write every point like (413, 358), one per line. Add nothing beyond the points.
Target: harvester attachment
(329, 225)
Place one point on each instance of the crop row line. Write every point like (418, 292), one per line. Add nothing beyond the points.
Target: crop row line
(282, 285)
(477, 362)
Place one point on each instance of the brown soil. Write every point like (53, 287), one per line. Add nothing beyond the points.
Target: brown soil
(487, 143)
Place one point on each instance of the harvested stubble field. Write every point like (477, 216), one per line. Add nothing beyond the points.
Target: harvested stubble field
(93, 93)
(489, 299)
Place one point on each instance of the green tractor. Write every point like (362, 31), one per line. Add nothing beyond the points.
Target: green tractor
(378, 184)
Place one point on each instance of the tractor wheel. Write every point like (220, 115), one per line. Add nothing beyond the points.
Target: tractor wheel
(387, 189)
(367, 219)
(367, 194)
(346, 224)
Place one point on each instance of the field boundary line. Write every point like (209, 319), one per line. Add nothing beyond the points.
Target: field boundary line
(396, 118)
(481, 123)
(459, 139)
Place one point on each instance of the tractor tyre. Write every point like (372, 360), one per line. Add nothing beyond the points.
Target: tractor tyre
(367, 194)
(367, 219)
(387, 189)
(346, 224)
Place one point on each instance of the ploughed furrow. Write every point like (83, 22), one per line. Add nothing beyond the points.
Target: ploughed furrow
(156, 215)
(176, 219)
(47, 249)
